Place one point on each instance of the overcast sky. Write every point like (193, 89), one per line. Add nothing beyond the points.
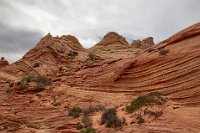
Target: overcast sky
(24, 22)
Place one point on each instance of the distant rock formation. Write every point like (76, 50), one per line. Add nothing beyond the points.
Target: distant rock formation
(3, 62)
(145, 43)
(54, 48)
(111, 41)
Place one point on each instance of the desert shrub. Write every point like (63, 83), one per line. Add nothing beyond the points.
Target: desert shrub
(88, 130)
(109, 117)
(28, 79)
(87, 121)
(163, 51)
(75, 112)
(43, 79)
(142, 100)
(36, 65)
(92, 56)
(89, 109)
(79, 126)
(24, 81)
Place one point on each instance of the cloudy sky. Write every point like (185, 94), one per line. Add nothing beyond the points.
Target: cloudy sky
(24, 22)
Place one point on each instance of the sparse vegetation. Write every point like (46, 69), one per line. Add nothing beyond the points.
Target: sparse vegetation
(87, 121)
(163, 51)
(41, 81)
(142, 100)
(89, 109)
(109, 117)
(75, 112)
(92, 56)
(79, 126)
(88, 130)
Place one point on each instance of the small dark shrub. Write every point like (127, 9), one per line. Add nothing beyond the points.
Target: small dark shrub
(43, 79)
(72, 54)
(79, 126)
(75, 112)
(87, 121)
(89, 109)
(92, 56)
(36, 65)
(24, 81)
(142, 100)
(28, 79)
(88, 130)
(163, 51)
(109, 117)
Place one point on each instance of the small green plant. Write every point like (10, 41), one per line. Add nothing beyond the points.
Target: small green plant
(87, 121)
(109, 117)
(79, 126)
(75, 112)
(36, 65)
(142, 100)
(92, 56)
(163, 51)
(88, 130)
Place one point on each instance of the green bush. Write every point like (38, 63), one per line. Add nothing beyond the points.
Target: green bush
(87, 121)
(163, 51)
(75, 112)
(109, 117)
(142, 100)
(24, 81)
(88, 130)
(92, 56)
(79, 126)
(43, 79)
(28, 79)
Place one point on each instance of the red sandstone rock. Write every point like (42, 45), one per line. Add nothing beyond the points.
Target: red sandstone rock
(3, 62)
(113, 81)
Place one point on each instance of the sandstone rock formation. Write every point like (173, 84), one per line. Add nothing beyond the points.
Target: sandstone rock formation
(111, 44)
(144, 44)
(3, 62)
(112, 81)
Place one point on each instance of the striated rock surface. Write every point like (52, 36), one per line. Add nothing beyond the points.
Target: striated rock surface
(144, 44)
(112, 81)
(3, 62)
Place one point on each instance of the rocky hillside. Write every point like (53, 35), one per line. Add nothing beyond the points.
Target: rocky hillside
(38, 92)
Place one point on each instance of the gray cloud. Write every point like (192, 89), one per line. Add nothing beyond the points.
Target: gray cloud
(23, 22)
